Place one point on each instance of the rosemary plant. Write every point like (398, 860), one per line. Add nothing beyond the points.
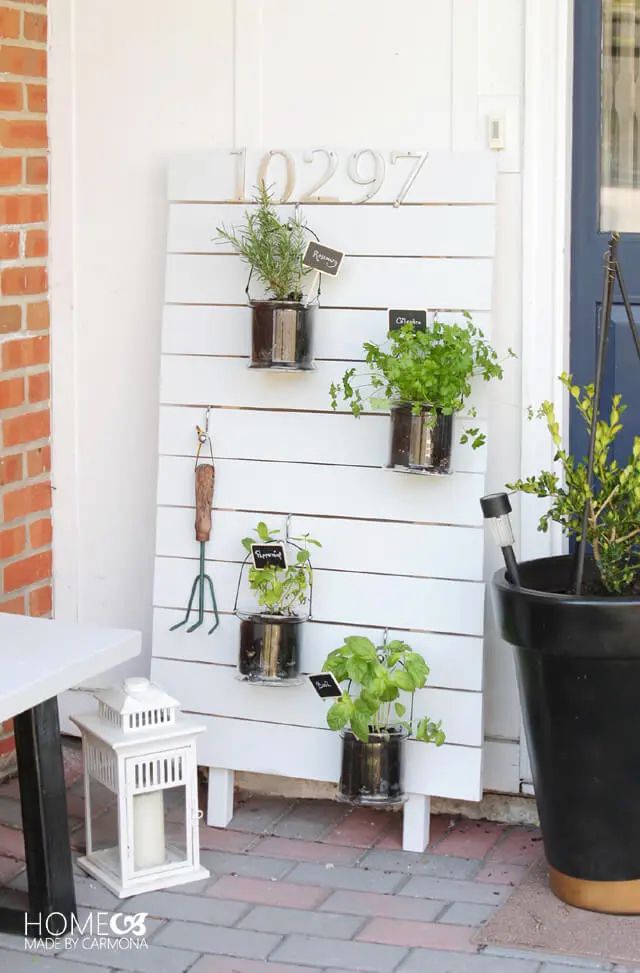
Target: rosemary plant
(274, 249)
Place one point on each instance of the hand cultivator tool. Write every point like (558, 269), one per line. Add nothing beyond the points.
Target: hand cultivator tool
(204, 477)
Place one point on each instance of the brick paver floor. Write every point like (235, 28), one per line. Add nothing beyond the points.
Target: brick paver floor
(309, 886)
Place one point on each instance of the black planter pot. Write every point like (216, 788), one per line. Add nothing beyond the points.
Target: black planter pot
(269, 647)
(372, 772)
(417, 446)
(282, 336)
(578, 666)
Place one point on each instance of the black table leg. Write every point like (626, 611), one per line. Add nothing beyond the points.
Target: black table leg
(44, 815)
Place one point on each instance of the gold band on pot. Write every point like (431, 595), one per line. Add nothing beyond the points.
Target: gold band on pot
(617, 898)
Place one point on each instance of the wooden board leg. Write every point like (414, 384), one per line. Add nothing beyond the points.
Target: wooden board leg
(415, 823)
(219, 797)
(44, 810)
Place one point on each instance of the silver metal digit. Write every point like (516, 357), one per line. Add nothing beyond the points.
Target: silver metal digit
(421, 158)
(290, 168)
(241, 175)
(332, 165)
(376, 180)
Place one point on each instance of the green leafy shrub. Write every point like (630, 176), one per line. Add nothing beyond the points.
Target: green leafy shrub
(613, 501)
(279, 590)
(274, 249)
(381, 673)
(430, 368)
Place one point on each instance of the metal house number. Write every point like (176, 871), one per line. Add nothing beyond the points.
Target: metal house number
(365, 167)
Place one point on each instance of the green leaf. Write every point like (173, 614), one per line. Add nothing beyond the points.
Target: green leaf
(417, 668)
(361, 647)
(263, 531)
(360, 725)
(338, 715)
(402, 680)
(400, 709)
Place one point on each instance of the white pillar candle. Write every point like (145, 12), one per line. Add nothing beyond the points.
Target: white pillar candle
(148, 830)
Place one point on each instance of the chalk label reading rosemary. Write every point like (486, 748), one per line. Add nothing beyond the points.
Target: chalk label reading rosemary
(323, 259)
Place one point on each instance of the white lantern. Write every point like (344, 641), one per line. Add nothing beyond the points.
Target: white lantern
(141, 790)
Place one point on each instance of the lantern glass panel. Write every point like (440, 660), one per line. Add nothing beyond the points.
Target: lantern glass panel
(159, 828)
(104, 825)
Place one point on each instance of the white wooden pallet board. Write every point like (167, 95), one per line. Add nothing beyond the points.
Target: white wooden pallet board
(330, 491)
(339, 333)
(363, 282)
(346, 596)
(455, 660)
(383, 547)
(209, 687)
(203, 380)
(445, 231)
(400, 551)
(247, 434)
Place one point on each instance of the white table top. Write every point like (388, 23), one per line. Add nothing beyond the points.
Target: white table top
(40, 658)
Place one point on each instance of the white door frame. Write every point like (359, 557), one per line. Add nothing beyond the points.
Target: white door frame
(546, 253)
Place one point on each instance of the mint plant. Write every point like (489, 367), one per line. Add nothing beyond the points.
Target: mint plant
(431, 368)
(279, 590)
(381, 673)
(613, 501)
(274, 249)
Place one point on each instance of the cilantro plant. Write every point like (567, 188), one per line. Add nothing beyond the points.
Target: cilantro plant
(274, 249)
(380, 672)
(431, 368)
(613, 501)
(279, 590)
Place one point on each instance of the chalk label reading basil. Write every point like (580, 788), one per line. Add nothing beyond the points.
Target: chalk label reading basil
(268, 555)
(398, 318)
(325, 684)
(323, 259)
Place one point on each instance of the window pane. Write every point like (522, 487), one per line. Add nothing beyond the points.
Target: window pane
(620, 136)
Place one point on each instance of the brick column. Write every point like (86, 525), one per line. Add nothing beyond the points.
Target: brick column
(25, 457)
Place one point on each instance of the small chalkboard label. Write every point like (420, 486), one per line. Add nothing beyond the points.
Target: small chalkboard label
(323, 259)
(398, 318)
(325, 684)
(268, 555)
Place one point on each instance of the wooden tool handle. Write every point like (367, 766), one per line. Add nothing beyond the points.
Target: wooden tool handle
(204, 499)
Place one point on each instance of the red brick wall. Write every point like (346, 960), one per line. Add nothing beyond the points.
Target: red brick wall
(25, 455)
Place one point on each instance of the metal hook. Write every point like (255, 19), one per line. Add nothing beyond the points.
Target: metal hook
(287, 529)
(203, 437)
(385, 636)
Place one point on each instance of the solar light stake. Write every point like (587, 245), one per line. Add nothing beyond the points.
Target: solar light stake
(496, 508)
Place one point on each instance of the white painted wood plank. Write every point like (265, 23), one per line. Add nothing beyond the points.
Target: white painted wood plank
(434, 231)
(445, 178)
(428, 551)
(216, 691)
(455, 660)
(333, 491)
(416, 821)
(312, 754)
(301, 437)
(456, 607)
(190, 329)
(200, 380)
(363, 282)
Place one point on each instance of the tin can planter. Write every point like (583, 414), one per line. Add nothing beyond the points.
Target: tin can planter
(578, 667)
(269, 649)
(371, 772)
(418, 446)
(282, 336)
